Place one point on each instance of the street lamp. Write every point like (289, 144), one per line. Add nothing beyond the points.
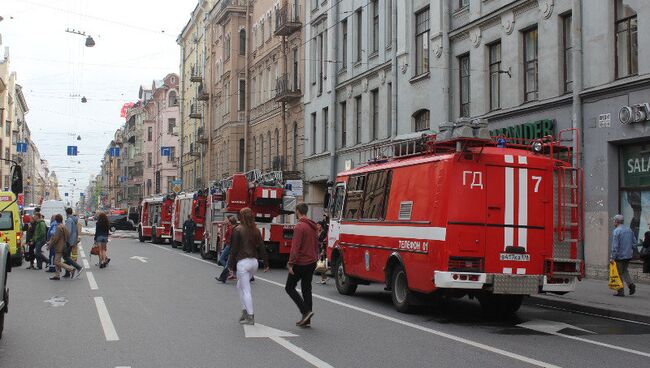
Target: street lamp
(89, 39)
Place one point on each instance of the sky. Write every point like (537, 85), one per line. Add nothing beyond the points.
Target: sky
(135, 44)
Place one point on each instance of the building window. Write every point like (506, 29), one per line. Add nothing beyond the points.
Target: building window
(495, 75)
(313, 133)
(357, 119)
(261, 152)
(421, 119)
(226, 47)
(171, 125)
(254, 152)
(462, 4)
(389, 22)
(241, 155)
(627, 48)
(389, 109)
(313, 49)
(422, 42)
(172, 99)
(567, 45)
(314, 5)
(242, 94)
(344, 130)
(268, 135)
(374, 99)
(530, 65)
(226, 99)
(149, 134)
(242, 42)
(277, 165)
(464, 77)
(254, 92)
(344, 44)
(326, 124)
(172, 154)
(149, 159)
(375, 26)
(359, 21)
(294, 148)
(320, 59)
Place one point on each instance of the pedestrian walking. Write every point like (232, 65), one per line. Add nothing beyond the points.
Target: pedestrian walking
(50, 234)
(29, 240)
(246, 249)
(321, 229)
(230, 224)
(645, 251)
(71, 223)
(623, 243)
(39, 240)
(189, 226)
(302, 263)
(58, 243)
(101, 238)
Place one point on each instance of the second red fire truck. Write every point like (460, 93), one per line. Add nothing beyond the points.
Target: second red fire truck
(460, 214)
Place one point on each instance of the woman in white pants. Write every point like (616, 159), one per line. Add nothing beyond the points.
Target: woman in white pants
(246, 248)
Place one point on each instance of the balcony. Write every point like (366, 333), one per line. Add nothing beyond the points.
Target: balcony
(229, 6)
(195, 75)
(287, 88)
(195, 112)
(287, 20)
(201, 137)
(194, 151)
(203, 95)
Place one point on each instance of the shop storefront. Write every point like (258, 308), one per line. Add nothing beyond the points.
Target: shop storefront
(634, 189)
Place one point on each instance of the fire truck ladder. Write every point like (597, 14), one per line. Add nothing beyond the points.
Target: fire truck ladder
(569, 214)
(394, 149)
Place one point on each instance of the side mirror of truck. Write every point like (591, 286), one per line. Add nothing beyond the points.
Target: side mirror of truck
(17, 179)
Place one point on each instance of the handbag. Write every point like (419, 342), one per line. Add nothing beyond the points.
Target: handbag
(95, 250)
(615, 282)
(321, 266)
(644, 252)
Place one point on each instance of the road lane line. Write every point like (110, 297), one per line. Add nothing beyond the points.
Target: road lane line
(105, 319)
(91, 280)
(86, 264)
(462, 340)
(592, 314)
(301, 353)
(82, 253)
(636, 352)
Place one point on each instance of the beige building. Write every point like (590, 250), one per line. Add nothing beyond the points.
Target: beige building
(193, 137)
(248, 97)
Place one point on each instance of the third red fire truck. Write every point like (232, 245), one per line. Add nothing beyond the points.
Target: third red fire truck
(264, 194)
(156, 219)
(459, 214)
(193, 204)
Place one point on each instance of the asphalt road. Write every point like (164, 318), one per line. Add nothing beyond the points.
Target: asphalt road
(158, 307)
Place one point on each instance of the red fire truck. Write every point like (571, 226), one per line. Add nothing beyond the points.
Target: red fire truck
(264, 194)
(185, 204)
(460, 214)
(155, 219)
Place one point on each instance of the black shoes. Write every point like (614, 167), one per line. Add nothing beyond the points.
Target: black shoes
(55, 278)
(306, 319)
(632, 289)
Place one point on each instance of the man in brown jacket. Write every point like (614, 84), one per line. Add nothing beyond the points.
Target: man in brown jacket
(59, 242)
(302, 263)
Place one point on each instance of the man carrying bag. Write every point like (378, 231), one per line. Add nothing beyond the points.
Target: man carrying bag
(623, 244)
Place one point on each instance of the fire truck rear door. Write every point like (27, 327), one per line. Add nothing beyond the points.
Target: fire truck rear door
(515, 217)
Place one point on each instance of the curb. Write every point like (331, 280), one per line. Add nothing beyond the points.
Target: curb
(573, 306)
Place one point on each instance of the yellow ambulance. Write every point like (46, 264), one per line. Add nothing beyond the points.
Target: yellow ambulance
(10, 227)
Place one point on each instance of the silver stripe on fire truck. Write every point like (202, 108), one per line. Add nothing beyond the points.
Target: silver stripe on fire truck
(523, 208)
(407, 232)
(509, 213)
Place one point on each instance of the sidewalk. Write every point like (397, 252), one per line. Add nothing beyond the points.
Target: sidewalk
(593, 296)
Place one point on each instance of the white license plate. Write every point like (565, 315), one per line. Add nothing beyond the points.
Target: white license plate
(515, 257)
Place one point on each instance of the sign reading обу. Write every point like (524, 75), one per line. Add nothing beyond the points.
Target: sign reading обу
(531, 130)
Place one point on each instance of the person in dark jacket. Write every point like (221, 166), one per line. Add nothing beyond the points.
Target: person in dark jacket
(101, 239)
(645, 252)
(189, 226)
(245, 251)
(321, 229)
(231, 225)
(39, 239)
(29, 240)
(58, 242)
(305, 248)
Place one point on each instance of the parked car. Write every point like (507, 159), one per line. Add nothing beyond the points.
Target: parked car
(120, 222)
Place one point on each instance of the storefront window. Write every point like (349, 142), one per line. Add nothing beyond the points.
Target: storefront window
(635, 186)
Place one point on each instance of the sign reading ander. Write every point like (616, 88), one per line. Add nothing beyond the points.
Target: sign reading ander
(531, 130)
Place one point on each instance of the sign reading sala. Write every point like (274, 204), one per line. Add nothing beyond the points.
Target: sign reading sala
(531, 130)
(635, 165)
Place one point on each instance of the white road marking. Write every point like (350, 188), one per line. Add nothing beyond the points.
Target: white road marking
(91, 280)
(85, 262)
(554, 327)
(592, 314)
(82, 253)
(105, 319)
(462, 340)
(259, 330)
(140, 258)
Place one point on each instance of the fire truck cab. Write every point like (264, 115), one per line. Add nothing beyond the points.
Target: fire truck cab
(193, 204)
(149, 217)
(460, 214)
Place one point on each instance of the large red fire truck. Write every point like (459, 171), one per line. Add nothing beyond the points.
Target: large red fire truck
(156, 219)
(193, 204)
(460, 214)
(264, 194)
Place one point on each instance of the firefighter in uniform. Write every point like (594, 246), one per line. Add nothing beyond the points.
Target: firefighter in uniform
(188, 235)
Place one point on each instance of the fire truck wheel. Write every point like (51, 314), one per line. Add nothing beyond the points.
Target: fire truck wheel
(343, 283)
(400, 292)
(140, 237)
(500, 305)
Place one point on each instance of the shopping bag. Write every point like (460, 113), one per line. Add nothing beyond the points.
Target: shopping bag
(95, 250)
(615, 282)
(321, 266)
